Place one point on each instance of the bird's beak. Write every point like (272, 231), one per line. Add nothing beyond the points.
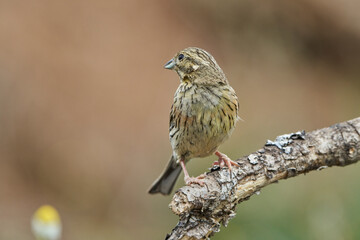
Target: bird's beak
(170, 64)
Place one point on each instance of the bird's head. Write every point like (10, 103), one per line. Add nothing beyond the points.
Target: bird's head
(195, 65)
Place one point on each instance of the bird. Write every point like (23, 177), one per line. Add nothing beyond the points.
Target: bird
(203, 115)
(46, 223)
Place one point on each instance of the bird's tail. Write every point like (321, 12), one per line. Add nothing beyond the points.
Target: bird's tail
(165, 183)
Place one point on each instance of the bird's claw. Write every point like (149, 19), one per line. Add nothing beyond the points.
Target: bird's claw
(196, 180)
(225, 161)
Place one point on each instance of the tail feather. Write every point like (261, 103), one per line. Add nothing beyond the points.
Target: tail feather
(165, 183)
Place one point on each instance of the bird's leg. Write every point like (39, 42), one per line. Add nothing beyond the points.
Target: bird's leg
(225, 160)
(216, 163)
(188, 180)
(219, 163)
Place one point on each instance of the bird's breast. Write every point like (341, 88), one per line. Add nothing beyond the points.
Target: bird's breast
(200, 120)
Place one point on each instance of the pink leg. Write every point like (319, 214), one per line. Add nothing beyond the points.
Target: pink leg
(225, 160)
(216, 163)
(188, 180)
(219, 163)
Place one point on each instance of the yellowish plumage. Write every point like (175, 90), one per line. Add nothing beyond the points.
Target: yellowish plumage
(202, 117)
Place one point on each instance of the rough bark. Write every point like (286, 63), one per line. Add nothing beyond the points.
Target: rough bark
(202, 209)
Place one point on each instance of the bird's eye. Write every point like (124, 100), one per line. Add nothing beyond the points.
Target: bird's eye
(181, 57)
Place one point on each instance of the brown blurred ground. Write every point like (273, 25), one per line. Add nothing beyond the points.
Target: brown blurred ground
(84, 99)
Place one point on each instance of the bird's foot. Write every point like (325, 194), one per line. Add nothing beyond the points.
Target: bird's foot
(224, 161)
(196, 180)
(216, 163)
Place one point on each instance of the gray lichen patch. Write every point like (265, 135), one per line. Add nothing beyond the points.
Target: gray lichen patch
(253, 159)
(284, 140)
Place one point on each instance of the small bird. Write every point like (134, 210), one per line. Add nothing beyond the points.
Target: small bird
(46, 223)
(203, 115)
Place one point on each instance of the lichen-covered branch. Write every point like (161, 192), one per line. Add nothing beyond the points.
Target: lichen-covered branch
(203, 208)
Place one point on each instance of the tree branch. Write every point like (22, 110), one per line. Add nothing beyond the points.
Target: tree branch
(203, 209)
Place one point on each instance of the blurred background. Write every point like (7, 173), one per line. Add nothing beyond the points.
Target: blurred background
(84, 110)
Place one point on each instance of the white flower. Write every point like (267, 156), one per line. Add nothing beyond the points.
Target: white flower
(46, 223)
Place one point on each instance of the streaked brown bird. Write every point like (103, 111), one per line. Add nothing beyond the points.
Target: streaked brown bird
(202, 117)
